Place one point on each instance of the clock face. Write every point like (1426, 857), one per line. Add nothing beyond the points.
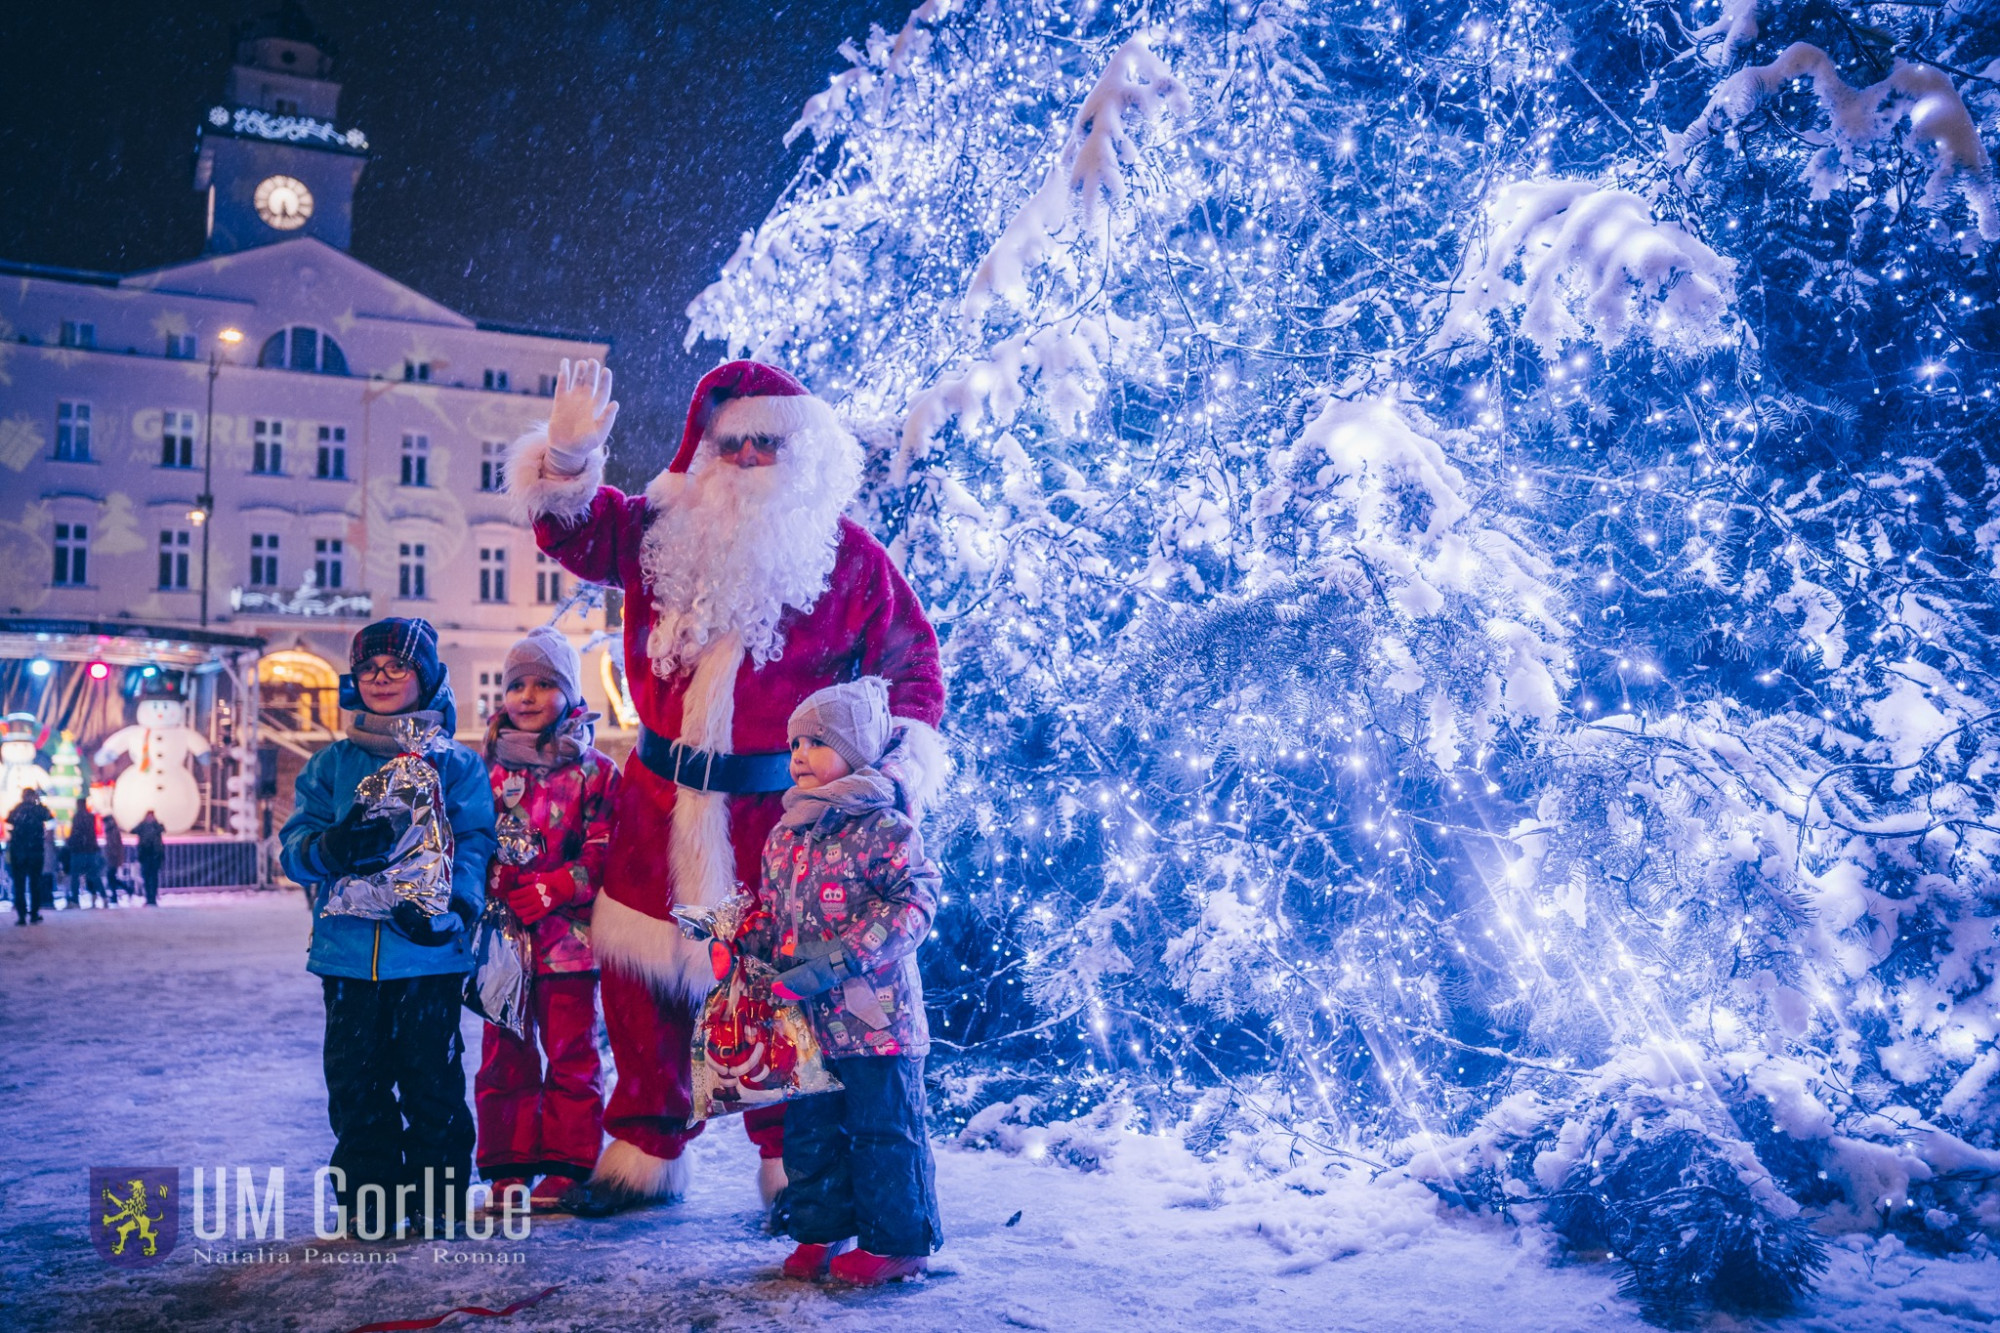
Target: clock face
(283, 202)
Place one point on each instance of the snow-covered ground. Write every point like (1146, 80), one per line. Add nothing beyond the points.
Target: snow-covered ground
(190, 1035)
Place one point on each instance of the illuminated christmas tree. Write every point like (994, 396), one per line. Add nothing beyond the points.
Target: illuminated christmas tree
(1465, 542)
(65, 792)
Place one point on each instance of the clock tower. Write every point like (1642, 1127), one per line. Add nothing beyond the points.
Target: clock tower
(273, 162)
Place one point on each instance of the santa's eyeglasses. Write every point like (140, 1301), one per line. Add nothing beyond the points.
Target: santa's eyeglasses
(767, 446)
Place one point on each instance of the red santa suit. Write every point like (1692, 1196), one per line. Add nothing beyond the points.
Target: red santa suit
(697, 835)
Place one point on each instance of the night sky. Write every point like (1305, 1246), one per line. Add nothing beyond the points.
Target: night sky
(577, 166)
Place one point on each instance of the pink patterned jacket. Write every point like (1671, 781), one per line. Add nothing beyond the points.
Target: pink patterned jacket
(567, 815)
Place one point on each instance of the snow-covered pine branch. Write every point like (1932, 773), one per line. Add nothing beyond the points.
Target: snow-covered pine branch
(1859, 122)
(1595, 266)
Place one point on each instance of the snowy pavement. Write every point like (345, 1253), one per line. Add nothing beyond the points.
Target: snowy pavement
(190, 1035)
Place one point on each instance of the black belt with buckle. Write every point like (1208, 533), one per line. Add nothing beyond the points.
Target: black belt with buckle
(705, 770)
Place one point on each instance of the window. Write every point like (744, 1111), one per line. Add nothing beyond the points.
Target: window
(410, 569)
(493, 465)
(416, 460)
(72, 555)
(176, 439)
(332, 465)
(497, 380)
(78, 333)
(327, 561)
(73, 432)
(417, 372)
(490, 694)
(492, 573)
(173, 559)
(180, 346)
(303, 347)
(285, 106)
(263, 559)
(546, 386)
(267, 447)
(548, 580)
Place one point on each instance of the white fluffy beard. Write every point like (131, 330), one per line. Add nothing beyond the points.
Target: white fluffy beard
(732, 547)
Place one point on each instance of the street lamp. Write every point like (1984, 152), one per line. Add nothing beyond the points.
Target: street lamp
(204, 504)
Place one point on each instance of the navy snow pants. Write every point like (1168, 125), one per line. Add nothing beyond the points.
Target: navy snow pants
(859, 1160)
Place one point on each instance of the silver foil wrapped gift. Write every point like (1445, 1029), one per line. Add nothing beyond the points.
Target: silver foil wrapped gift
(405, 791)
(520, 842)
(503, 969)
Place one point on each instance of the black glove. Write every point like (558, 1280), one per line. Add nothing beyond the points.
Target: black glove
(430, 931)
(359, 844)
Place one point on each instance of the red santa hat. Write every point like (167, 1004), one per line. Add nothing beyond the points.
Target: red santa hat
(750, 398)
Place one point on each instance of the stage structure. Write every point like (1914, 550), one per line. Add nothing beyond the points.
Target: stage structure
(160, 717)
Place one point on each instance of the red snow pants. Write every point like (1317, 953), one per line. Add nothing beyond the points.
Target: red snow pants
(532, 1122)
(652, 1040)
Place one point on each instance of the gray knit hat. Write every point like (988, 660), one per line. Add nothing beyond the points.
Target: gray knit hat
(546, 652)
(852, 720)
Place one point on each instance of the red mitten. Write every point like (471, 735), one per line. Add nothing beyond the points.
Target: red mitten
(532, 899)
(501, 879)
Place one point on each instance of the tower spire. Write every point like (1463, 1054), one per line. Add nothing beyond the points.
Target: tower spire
(274, 161)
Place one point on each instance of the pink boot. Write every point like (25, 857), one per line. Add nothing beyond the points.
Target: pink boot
(808, 1262)
(859, 1268)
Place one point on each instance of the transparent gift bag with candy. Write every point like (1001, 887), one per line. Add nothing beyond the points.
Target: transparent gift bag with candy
(750, 1048)
(406, 791)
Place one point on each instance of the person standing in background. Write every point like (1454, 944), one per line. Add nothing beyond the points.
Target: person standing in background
(114, 857)
(45, 895)
(83, 859)
(24, 855)
(152, 836)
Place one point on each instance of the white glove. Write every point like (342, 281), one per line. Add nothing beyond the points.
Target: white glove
(580, 420)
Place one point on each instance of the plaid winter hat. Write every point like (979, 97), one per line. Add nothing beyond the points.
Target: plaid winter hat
(407, 640)
(852, 720)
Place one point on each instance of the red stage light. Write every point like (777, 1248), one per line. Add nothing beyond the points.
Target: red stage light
(98, 670)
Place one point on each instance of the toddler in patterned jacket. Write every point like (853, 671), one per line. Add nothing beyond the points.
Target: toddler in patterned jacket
(845, 899)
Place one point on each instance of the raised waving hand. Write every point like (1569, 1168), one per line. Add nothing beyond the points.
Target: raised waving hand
(581, 416)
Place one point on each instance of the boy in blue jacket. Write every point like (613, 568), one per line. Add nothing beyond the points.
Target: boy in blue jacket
(394, 1083)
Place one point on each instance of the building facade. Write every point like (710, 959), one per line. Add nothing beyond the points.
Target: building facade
(274, 439)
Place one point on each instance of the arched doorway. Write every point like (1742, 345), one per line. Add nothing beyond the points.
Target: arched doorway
(300, 693)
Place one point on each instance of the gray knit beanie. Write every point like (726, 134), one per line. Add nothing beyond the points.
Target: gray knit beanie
(851, 719)
(546, 652)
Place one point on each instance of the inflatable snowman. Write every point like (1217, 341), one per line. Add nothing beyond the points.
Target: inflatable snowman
(160, 745)
(18, 769)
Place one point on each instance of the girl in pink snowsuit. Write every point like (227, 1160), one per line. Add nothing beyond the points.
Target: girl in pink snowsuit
(554, 793)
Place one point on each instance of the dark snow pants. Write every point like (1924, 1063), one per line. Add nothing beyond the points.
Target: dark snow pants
(395, 1091)
(25, 873)
(859, 1161)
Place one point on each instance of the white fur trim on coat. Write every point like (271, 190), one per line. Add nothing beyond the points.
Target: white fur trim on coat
(633, 1168)
(538, 491)
(700, 856)
(704, 861)
(624, 939)
(919, 762)
(772, 414)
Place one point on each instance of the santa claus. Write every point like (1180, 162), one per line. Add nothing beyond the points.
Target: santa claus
(747, 589)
